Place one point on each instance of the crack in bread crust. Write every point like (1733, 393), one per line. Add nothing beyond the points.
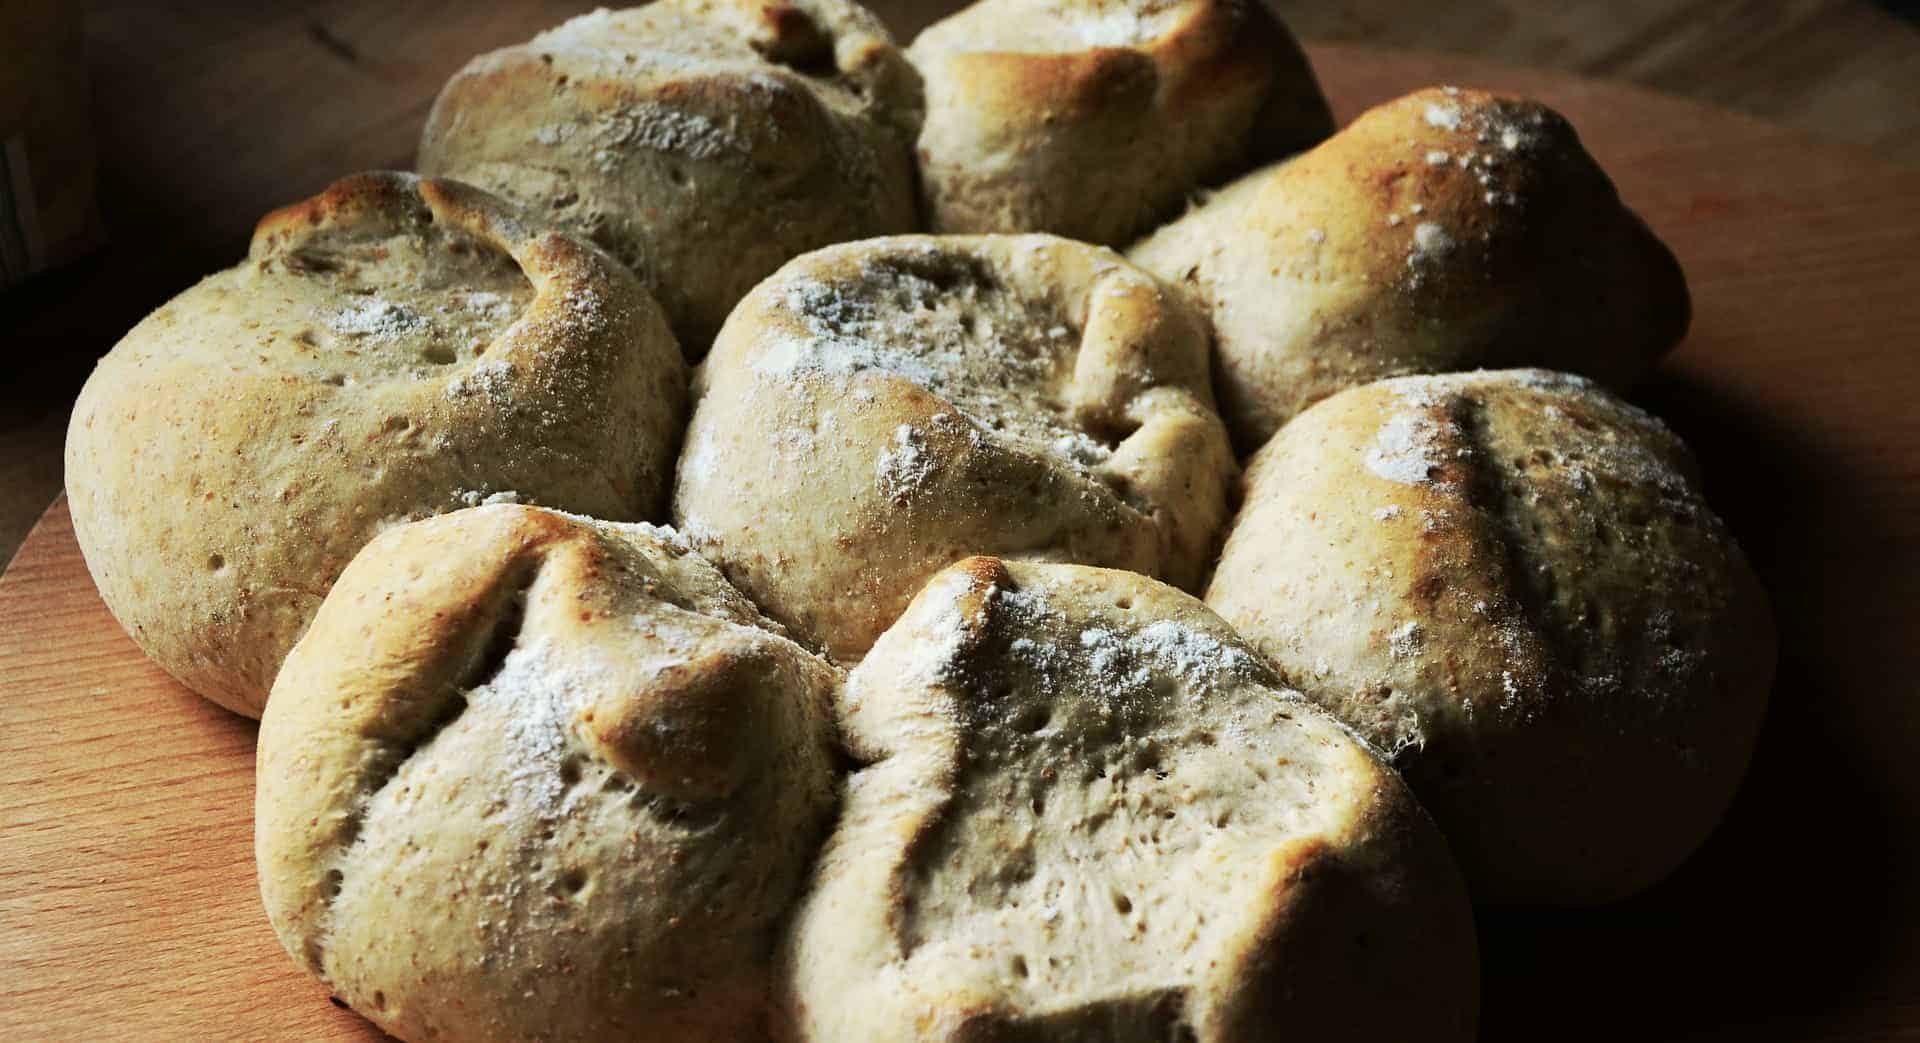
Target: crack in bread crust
(390, 349)
(878, 410)
(562, 774)
(1511, 581)
(701, 144)
(503, 635)
(1087, 810)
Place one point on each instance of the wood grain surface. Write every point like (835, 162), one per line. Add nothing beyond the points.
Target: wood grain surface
(127, 897)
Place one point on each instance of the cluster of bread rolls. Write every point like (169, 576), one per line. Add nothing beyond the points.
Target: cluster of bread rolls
(914, 724)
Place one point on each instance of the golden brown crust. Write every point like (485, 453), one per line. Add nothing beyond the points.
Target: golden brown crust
(1446, 230)
(1510, 581)
(702, 142)
(1094, 118)
(469, 824)
(390, 349)
(1086, 811)
(878, 410)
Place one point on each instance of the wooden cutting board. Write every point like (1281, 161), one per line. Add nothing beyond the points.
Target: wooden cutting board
(127, 898)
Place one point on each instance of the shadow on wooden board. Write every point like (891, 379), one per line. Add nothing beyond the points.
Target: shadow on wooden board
(1781, 916)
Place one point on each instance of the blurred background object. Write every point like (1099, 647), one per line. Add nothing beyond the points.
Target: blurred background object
(206, 115)
(47, 214)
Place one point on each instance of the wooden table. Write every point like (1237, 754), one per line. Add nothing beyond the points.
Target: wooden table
(127, 902)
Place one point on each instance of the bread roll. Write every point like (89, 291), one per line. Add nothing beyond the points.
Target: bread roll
(536, 777)
(878, 410)
(1510, 580)
(391, 348)
(1085, 810)
(1093, 119)
(1448, 230)
(702, 142)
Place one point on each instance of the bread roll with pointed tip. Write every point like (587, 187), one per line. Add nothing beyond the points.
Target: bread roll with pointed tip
(1086, 810)
(1511, 581)
(531, 776)
(1094, 119)
(877, 410)
(390, 349)
(1448, 230)
(702, 142)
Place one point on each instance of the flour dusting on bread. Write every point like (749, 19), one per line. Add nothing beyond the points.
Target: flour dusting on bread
(1078, 793)
(875, 410)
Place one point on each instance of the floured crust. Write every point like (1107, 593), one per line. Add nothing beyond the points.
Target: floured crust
(1448, 230)
(1093, 119)
(1085, 810)
(1511, 581)
(392, 348)
(702, 142)
(535, 776)
(878, 410)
